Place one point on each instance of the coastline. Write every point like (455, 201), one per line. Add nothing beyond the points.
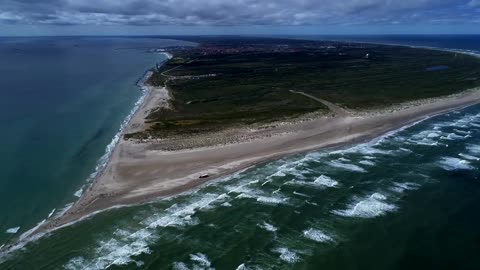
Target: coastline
(112, 187)
(37, 231)
(136, 173)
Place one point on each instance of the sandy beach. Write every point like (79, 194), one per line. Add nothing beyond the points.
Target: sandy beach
(139, 172)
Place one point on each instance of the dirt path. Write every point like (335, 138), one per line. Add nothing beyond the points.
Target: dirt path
(170, 76)
(337, 110)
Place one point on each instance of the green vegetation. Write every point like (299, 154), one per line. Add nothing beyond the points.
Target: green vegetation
(226, 83)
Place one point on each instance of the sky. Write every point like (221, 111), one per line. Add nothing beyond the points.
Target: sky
(187, 17)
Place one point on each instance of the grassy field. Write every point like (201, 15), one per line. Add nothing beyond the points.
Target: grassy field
(237, 82)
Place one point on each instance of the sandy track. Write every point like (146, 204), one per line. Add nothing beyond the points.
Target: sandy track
(337, 110)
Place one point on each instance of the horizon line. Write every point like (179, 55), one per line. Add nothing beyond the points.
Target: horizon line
(241, 35)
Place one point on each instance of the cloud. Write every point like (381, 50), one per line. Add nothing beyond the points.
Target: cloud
(237, 12)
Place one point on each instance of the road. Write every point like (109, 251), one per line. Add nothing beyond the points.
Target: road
(337, 110)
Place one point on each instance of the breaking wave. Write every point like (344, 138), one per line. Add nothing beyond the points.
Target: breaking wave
(287, 255)
(346, 166)
(317, 235)
(372, 206)
(452, 163)
(12, 230)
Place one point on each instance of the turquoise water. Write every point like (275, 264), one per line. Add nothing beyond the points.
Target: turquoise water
(61, 102)
(407, 200)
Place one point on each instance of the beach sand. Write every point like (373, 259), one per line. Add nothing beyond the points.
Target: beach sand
(138, 172)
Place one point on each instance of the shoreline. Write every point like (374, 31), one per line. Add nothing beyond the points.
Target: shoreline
(37, 231)
(111, 187)
(115, 188)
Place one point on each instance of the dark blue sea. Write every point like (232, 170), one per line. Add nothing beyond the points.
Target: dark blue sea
(407, 200)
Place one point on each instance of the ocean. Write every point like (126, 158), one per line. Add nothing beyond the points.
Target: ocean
(62, 101)
(407, 200)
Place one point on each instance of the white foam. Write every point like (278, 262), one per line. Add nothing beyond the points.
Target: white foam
(349, 167)
(369, 207)
(291, 170)
(462, 132)
(317, 235)
(242, 267)
(115, 252)
(464, 122)
(469, 157)
(63, 210)
(367, 162)
(242, 188)
(426, 134)
(271, 199)
(79, 192)
(474, 148)
(453, 137)
(365, 149)
(76, 263)
(312, 203)
(103, 160)
(101, 164)
(433, 135)
(120, 254)
(126, 244)
(301, 194)
(452, 163)
(370, 148)
(405, 150)
(278, 174)
(287, 255)
(180, 266)
(314, 156)
(424, 141)
(428, 137)
(172, 220)
(12, 230)
(51, 213)
(168, 55)
(29, 232)
(266, 182)
(257, 194)
(190, 208)
(324, 180)
(401, 187)
(201, 259)
(268, 227)
(245, 196)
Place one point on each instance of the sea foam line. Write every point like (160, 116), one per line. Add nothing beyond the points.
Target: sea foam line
(103, 160)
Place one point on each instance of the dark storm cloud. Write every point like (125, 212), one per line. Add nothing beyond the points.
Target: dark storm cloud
(237, 12)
